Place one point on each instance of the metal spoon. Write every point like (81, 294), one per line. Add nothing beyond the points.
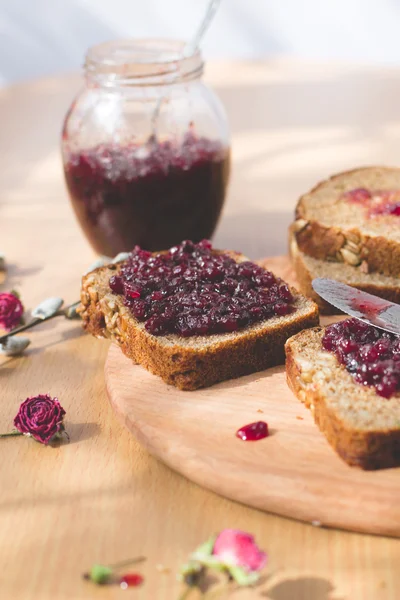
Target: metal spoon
(188, 50)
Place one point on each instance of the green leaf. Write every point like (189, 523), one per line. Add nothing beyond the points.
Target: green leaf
(100, 574)
(191, 568)
(241, 576)
(199, 558)
(206, 549)
(16, 294)
(212, 562)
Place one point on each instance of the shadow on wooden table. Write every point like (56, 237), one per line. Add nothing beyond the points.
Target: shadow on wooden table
(79, 432)
(245, 380)
(14, 275)
(69, 334)
(255, 233)
(302, 588)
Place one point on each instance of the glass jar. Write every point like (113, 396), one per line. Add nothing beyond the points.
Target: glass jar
(145, 148)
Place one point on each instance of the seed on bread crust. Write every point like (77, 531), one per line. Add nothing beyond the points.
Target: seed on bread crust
(352, 247)
(350, 257)
(93, 294)
(299, 225)
(351, 236)
(302, 395)
(111, 304)
(307, 376)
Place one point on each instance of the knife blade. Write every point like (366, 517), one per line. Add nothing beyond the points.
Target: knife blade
(366, 307)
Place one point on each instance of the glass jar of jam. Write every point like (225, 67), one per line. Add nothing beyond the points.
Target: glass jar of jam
(145, 148)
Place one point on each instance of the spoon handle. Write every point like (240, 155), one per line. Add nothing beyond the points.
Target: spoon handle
(204, 25)
(188, 49)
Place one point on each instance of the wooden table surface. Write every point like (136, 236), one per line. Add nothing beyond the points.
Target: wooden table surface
(102, 498)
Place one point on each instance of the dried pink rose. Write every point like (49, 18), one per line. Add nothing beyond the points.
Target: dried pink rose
(11, 311)
(238, 548)
(232, 552)
(41, 417)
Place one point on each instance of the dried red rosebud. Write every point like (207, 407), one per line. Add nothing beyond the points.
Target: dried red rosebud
(41, 417)
(11, 311)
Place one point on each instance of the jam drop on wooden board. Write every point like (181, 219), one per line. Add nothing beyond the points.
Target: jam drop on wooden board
(253, 431)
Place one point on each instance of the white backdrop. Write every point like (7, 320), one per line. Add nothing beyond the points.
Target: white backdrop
(42, 37)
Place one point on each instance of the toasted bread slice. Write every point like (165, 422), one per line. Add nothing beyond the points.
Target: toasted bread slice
(329, 227)
(308, 268)
(194, 362)
(362, 427)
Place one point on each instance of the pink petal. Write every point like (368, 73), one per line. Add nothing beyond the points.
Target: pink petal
(238, 548)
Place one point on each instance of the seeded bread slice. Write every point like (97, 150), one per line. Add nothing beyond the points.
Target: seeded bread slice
(194, 362)
(328, 227)
(362, 427)
(307, 269)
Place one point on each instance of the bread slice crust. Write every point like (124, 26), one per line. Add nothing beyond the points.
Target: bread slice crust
(308, 268)
(362, 243)
(199, 361)
(365, 445)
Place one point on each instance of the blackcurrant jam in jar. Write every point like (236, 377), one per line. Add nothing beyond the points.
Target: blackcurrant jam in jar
(145, 148)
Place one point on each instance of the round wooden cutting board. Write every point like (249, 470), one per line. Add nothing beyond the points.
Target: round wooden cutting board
(294, 472)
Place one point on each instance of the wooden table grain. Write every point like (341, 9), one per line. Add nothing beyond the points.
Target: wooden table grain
(102, 497)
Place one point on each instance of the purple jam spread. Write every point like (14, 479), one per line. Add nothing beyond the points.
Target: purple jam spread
(376, 202)
(150, 196)
(370, 355)
(192, 290)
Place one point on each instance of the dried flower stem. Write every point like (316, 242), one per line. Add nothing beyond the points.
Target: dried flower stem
(186, 592)
(22, 328)
(127, 563)
(223, 588)
(34, 322)
(108, 569)
(10, 434)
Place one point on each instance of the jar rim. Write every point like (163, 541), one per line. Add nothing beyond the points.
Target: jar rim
(147, 61)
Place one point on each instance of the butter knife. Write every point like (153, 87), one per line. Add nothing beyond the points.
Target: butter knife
(366, 307)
